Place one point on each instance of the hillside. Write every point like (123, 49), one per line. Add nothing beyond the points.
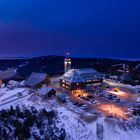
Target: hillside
(55, 64)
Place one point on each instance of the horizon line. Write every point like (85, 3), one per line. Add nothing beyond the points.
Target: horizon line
(30, 57)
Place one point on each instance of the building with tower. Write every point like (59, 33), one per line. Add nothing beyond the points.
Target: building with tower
(79, 78)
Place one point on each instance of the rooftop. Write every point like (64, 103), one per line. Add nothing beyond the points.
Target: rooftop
(44, 90)
(7, 74)
(80, 75)
(35, 78)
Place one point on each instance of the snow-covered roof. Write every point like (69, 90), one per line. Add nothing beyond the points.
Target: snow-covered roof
(12, 82)
(80, 75)
(44, 90)
(62, 96)
(35, 79)
(7, 74)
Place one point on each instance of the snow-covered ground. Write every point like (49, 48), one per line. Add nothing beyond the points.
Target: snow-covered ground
(113, 83)
(78, 126)
(77, 129)
(10, 97)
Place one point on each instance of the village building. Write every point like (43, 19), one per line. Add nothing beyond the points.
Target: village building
(14, 83)
(1, 83)
(46, 91)
(126, 78)
(61, 97)
(119, 69)
(7, 75)
(36, 80)
(80, 79)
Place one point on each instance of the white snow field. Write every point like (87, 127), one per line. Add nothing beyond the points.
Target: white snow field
(77, 126)
(11, 97)
(79, 129)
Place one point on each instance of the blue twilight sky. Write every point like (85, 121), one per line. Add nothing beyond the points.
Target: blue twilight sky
(85, 28)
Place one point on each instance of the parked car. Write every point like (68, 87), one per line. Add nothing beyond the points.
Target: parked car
(116, 100)
(114, 96)
(95, 102)
(75, 103)
(85, 98)
(84, 107)
(130, 110)
(135, 107)
(128, 114)
(98, 103)
(99, 94)
(79, 104)
(90, 97)
(108, 96)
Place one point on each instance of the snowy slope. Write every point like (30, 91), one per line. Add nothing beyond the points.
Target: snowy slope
(76, 127)
(10, 97)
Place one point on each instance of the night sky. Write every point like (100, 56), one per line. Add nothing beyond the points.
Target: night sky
(85, 28)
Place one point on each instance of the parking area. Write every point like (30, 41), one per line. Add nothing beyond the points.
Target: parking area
(94, 103)
(110, 100)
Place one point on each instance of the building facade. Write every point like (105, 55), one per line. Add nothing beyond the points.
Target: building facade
(80, 79)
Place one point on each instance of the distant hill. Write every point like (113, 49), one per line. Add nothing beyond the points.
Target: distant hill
(55, 64)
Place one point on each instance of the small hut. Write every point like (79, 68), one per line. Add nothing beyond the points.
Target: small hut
(14, 83)
(46, 91)
(61, 97)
